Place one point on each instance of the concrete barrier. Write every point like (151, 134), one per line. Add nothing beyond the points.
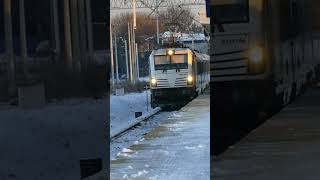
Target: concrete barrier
(136, 121)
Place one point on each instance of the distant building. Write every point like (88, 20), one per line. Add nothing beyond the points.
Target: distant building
(196, 41)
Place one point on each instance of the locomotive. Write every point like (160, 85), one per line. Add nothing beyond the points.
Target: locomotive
(263, 52)
(177, 75)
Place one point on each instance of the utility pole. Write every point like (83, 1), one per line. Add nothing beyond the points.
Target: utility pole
(9, 46)
(116, 55)
(67, 34)
(127, 64)
(158, 38)
(134, 14)
(23, 36)
(111, 49)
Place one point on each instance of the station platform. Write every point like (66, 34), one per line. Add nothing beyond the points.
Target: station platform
(287, 146)
(178, 149)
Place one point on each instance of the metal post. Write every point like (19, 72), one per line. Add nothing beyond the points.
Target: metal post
(192, 41)
(82, 37)
(9, 46)
(56, 28)
(67, 34)
(146, 87)
(23, 36)
(127, 63)
(137, 61)
(89, 28)
(111, 50)
(134, 55)
(130, 51)
(116, 55)
(75, 34)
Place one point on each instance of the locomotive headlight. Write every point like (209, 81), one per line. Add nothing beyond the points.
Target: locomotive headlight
(256, 55)
(170, 52)
(153, 82)
(190, 80)
(256, 60)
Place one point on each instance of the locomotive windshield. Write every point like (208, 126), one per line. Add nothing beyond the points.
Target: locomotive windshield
(178, 61)
(231, 11)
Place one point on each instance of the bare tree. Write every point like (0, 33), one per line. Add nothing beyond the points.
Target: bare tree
(177, 19)
(146, 26)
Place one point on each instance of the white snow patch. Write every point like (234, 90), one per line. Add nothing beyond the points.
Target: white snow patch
(190, 148)
(124, 154)
(164, 152)
(125, 150)
(125, 176)
(140, 173)
(175, 116)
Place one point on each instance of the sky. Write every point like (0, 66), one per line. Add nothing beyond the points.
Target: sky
(195, 9)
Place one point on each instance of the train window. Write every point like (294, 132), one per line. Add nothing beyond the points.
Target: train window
(162, 60)
(231, 11)
(171, 62)
(177, 59)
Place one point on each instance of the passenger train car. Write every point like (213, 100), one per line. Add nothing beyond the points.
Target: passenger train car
(177, 75)
(263, 52)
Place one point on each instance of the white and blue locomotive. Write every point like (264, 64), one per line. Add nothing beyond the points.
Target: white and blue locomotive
(177, 75)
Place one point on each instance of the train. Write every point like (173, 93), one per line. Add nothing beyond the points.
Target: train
(177, 75)
(263, 53)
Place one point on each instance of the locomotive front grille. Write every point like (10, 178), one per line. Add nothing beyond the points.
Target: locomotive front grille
(163, 83)
(229, 64)
(180, 82)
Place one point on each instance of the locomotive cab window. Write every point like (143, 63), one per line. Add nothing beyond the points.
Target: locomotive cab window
(231, 11)
(178, 61)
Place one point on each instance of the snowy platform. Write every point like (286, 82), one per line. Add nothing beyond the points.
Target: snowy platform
(176, 150)
(287, 146)
(48, 143)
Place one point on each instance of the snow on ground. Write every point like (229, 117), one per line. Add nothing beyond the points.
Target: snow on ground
(135, 136)
(123, 108)
(177, 149)
(145, 79)
(56, 136)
